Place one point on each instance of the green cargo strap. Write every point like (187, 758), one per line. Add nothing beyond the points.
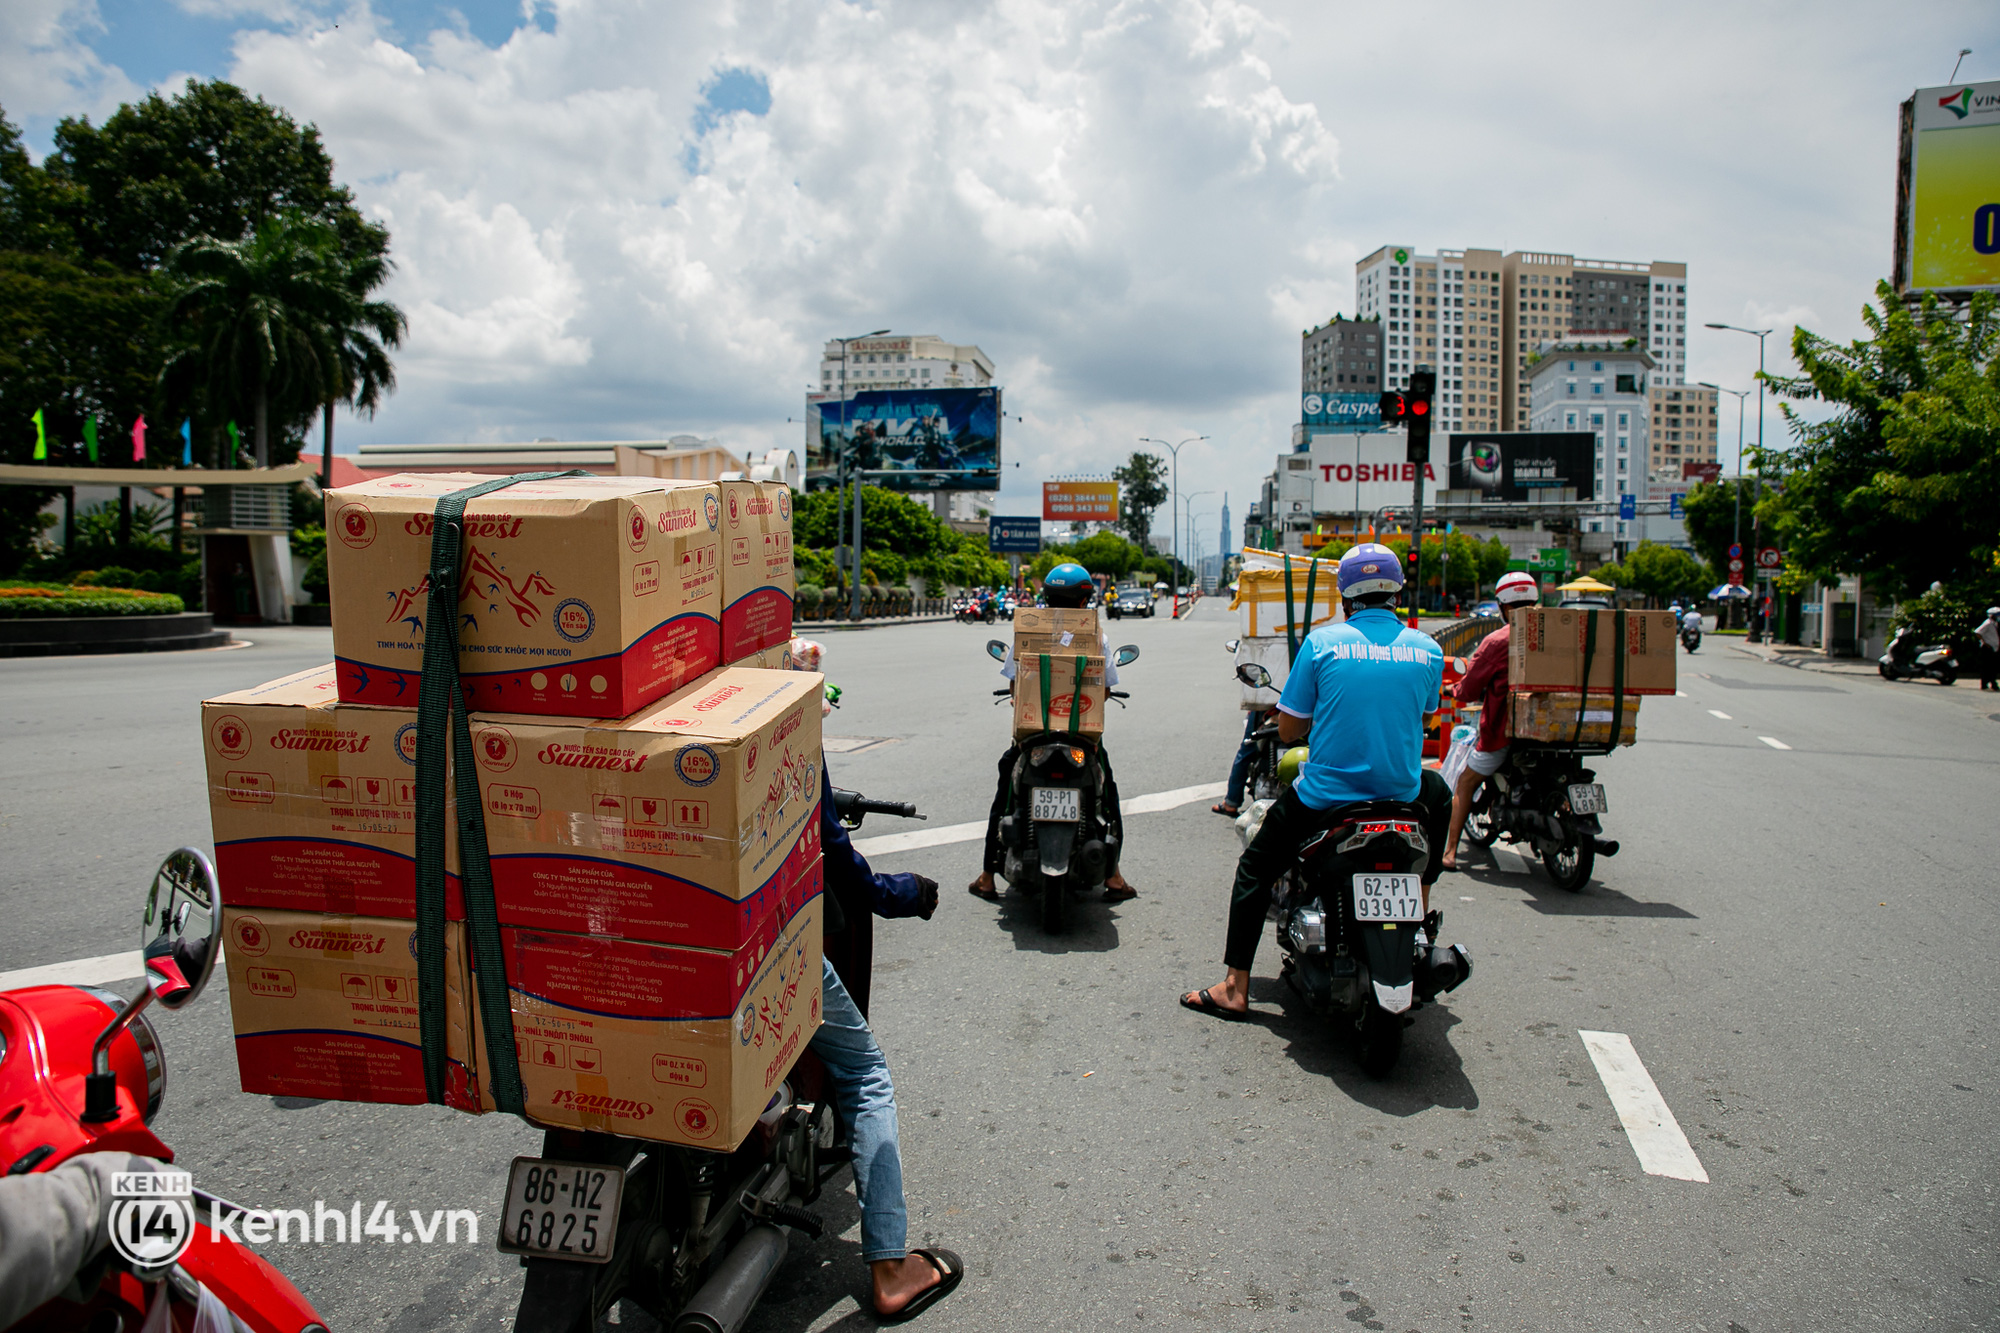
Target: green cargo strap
(1583, 685)
(1617, 681)
(1291, 627)
(442, 723)
(1045, 690)
(1312, 573)
(1076, 699)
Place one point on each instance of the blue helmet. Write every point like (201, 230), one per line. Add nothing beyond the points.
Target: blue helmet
(1370, 568)
(1068, 584)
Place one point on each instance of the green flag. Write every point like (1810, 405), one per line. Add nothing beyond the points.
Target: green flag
(90, 436)
(235, 445)
(41, 439)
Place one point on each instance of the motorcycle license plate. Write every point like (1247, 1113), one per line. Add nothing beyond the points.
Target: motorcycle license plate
(1388, 898)
(1587, 798)
(561, 1210)
(1056, 805)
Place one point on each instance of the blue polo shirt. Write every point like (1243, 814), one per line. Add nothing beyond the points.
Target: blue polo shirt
(1366, 685)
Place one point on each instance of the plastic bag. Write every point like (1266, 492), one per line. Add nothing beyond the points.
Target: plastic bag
(1458, 756)
(1252, 819)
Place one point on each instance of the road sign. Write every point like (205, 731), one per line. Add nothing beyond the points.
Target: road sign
(1735, 550)
(1736, 566)
(1675, 509)
(1769, 557)
(1628, 506)
(1011, 536)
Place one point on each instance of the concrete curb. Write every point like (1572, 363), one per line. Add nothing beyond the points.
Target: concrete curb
(805, 629)
(75, 636)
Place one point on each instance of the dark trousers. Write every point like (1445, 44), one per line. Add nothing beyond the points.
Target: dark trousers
(1989, 664)
(1239, 772)
(1003, 798)
(1271, 853)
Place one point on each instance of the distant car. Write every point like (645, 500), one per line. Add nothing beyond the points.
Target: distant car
(1588, 599)
(1487, 608)
(1132, 602)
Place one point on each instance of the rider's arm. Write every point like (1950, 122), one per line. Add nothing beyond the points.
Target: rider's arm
(1291, 729)
(51, 1224)
(1301, 695)
(1489, 659)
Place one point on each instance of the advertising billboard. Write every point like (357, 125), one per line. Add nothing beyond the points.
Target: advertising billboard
(1013, 535)
(1709, 473)
(1948, 190)
(1348, 411)
(1080, 501)
(1525, 465)
(909, 439)
(1355, 472)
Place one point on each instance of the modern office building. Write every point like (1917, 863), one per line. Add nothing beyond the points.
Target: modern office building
(1603, 388)
(1341, 356)
(902, 361)
(1479, 317)
(1683, 430)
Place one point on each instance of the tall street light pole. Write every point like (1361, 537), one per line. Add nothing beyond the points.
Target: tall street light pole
(849, 466)
(1736, 482)
(1175, 450)
(1756, 524)
(1187, 526)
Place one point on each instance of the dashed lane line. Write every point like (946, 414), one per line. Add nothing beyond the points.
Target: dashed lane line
(1654, 1133)
(1717, 712)
(1774, 742)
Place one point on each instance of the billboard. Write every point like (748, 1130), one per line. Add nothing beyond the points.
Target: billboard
(1350, 411)
(1948, 190)
(909, 439)
(1354, 472)
(1013, 536)
(1080, 501)
(1525, 465)
(1709, 473)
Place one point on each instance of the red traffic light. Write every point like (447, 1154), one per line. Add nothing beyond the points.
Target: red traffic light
(1394, 406)
(1420, 407)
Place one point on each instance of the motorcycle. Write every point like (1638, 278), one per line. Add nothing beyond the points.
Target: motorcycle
(1544, 796)
(1261, 782)
(88, 1074)
(692, 1237)
(1690, 638)
(972, 611)
(1348, 915)
(1055, 841)
(1905, 659)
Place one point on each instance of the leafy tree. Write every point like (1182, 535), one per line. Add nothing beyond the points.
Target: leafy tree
(1947, 614)
(1142, 489)
(899, 537)
(1661, 573)
(1100, 553)
(1712, 516)
(1902, 484)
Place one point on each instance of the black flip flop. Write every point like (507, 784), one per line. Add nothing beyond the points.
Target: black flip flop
(1220, 808)
(1208, 1006)
(951, 1271)
(1124, 895)
(990, 895)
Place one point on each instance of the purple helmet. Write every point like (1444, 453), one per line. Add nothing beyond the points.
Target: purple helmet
(1368, 568)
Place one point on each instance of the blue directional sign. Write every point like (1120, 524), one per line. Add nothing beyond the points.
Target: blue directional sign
(1013, 536)
(1674, 507)
(1628, 506)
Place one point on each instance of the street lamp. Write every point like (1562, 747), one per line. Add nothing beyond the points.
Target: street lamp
(1175, 450)
(1736, 482)
(1756, 526)
(846, 451)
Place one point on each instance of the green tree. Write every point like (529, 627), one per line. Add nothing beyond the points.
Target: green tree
(1142, 489)
(1712, 514)
(1902, 484)
(1660, 573)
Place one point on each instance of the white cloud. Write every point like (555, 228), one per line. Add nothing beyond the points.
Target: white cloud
(47, 67)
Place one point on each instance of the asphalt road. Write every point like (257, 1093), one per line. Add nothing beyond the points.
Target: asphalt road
(1795, 940)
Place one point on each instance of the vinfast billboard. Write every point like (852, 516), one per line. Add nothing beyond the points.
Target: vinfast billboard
(909, 439)
(1525, 465)
(1948, 190)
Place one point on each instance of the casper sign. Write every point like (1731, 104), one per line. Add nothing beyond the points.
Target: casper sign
(1351, 474)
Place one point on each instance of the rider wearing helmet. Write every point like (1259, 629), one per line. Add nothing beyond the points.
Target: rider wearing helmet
(1067, 585)
(1360, 690)
(1485, 681)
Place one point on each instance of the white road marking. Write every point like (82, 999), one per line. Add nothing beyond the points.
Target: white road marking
(1655, 1135)
(1680, 694)
(77, 972)
(1774, 742)
(1507, 861)
(1150, 803)
(1716, 712)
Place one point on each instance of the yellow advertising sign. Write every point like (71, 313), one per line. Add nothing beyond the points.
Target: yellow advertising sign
(1080, 501)
(1953, 224)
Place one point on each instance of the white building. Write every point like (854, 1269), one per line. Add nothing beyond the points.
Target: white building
(902, 361)
(1582, 386)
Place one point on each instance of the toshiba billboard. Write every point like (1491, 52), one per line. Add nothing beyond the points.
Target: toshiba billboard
(1352, 474)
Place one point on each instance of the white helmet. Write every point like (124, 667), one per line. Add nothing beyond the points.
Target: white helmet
(1517, 589)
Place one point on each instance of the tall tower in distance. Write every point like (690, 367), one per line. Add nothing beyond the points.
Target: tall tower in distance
(1224, 545)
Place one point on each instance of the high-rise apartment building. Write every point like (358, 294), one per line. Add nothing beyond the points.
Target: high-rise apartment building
(1480, 318)
(902, 361)
(1341, 356)
(1683, 431)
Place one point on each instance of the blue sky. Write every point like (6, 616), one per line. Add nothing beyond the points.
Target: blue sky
(624, 218)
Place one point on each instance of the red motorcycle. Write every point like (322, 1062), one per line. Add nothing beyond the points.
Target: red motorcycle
(82, 1071)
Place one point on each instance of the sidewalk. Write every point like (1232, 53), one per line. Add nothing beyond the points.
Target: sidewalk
(1799, 656)
(807, 628)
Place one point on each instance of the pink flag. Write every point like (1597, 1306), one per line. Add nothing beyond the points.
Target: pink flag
(139, 439)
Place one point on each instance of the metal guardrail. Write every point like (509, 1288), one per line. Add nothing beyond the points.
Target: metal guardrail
(1460, 637)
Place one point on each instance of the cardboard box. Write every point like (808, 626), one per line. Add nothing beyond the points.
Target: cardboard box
(1055, 629)
(1553, 717)
(1260, 596)
(313, 802)
(1066, 683)
(1545, 650)
(757, 576)
(326, 1006)
(657, 1042)
(579, 597)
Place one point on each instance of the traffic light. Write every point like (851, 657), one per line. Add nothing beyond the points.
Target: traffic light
(1393, 406)
(1416, 415)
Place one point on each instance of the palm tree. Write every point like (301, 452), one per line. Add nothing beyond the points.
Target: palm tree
(364, 335)
(266, 320)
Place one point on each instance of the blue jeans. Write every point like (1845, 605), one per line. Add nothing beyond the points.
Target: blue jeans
(1239, 772)
(867, 1101)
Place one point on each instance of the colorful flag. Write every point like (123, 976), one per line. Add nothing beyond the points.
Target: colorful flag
(90, 436)
(139, 439)
(187, 444)
(235, 444)
(41, 439)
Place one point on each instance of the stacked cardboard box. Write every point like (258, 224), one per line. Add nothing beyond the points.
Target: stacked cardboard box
(1069, 646)
(1261, 599)
(757, 576)
(656, 875)
(1568, 667)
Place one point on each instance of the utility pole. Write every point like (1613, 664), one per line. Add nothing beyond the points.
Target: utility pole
(850, 467)
(1413, 409)
(1756, 524)
(1178, 562)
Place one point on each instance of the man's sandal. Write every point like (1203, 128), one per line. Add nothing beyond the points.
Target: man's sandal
(951, 1271)
(1224, 808)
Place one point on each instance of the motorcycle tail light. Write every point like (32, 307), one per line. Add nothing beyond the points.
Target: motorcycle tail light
(1048, 754)
(1413, 834)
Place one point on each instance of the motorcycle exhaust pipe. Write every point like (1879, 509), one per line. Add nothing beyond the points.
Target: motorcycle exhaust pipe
(1605, 846)
(724, 1303)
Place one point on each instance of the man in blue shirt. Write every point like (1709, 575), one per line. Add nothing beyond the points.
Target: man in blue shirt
(1358, 694)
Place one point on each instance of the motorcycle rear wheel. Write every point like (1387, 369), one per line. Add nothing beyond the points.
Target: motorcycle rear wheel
(1480, 825)
(1888, 672)
(1380, 1040)
(1055, 904)
(1947, 676)
(1570, 864)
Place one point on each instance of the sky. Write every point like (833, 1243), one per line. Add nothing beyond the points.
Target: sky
(628, 218)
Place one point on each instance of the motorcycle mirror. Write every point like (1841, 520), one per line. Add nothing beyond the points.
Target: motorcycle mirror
(996, 650)
(178, 934)
(1229, 646)
(1253, 675)
(1127, 655)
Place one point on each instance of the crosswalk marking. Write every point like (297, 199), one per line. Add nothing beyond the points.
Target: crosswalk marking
(77, 972)
(1508, 861)
(1150, 803)
(1774, 742)
(1650, 1126)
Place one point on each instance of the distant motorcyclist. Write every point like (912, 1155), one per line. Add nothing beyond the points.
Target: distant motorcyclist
(1361, 691)
(1691, 620)
(1067, 585)
(1485, 680)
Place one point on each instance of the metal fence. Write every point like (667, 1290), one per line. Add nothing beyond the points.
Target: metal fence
(247, 508)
